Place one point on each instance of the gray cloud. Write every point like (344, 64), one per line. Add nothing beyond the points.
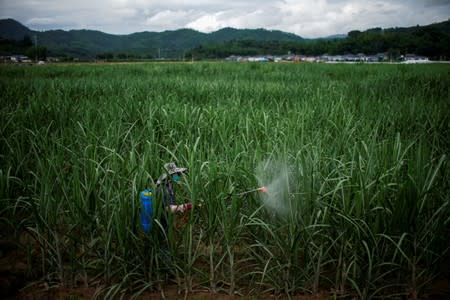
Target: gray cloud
(303, 17)
(437, 2)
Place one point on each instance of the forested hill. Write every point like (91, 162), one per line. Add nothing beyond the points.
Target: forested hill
(171, 43)
(431, 40)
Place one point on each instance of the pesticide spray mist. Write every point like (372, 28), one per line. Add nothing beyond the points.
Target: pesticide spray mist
(275, 177)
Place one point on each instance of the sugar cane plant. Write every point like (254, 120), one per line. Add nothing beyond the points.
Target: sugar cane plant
(365, 211)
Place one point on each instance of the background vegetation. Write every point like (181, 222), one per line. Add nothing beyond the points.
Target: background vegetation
(366, 148)
(432, 41)
(24, 46)
(167, 44)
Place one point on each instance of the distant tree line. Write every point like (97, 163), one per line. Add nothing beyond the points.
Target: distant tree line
(122, 56)
(24, 47)
(431, 41)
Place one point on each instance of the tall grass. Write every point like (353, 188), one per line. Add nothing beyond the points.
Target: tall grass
(367, 148)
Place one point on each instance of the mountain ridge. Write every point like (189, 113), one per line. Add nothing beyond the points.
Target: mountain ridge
(431, 40)
(172, 43)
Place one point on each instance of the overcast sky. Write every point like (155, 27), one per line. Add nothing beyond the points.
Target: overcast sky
(307, 18)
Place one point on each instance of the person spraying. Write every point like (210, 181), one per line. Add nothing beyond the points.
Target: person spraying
(164, 183)
(172, 175)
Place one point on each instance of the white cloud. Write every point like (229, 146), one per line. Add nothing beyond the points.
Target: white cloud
(206, 23)
(170, 19)
(41, 21)
(255, 18)
(303, 17)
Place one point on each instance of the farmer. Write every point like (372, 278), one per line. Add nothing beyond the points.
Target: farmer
(172, 174)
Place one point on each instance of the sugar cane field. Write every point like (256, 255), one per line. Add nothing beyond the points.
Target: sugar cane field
(304, 179)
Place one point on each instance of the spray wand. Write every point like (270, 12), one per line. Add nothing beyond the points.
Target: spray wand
(261, 189)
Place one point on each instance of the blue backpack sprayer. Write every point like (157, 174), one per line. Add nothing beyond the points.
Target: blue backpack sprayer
(146, 214)
(146, 201)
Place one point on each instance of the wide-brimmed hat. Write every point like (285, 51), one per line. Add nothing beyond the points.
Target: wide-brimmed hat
(172, 168)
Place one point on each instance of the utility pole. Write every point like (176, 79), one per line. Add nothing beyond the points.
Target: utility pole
(35, 48)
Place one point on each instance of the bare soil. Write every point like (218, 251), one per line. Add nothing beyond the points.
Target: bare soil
(16, 282)
(170, 292)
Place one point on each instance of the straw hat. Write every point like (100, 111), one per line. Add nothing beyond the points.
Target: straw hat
(171, 168)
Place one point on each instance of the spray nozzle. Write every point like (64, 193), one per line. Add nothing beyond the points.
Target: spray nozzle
(262, 189)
